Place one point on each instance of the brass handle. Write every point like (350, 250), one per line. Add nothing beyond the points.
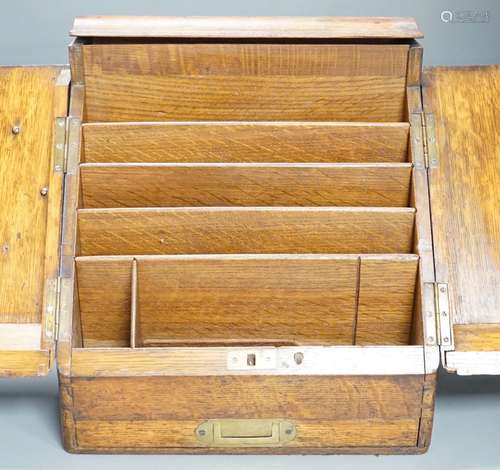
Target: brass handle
(245, 432)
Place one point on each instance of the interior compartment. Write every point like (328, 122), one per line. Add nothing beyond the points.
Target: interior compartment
(246, 300)
(245, 194)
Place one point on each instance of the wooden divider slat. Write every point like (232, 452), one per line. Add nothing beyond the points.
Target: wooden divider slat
(174, 185)
(257, 142)
(245, 230)
(244, 82)
(302, 301)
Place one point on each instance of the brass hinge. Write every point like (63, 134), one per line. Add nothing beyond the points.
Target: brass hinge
(53, 308)
(429, 139)
(443, 316)
(60, 147)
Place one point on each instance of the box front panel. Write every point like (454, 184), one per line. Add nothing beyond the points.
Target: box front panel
(327, 412)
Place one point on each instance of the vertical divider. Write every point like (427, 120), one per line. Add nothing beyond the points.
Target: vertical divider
(356, 306)
(133, 304)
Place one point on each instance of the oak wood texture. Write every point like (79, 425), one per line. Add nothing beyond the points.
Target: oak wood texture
(244, 230)
(27, 101)
(104, 291)
(24, 363)
(247, 299)
(244, 82)
(477, 337)
(174, 185)
(95, 434)
(295, 397)
(262, 27)
(30, 195)
(465, 189)
(386, 301)
(301, 301)
(253, 142)
(354, 410)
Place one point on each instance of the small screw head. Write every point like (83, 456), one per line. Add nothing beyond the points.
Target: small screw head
(44, 191)
(298, 357)
(444, 313)
(16, 129)
(430, 339)
(442, 289)
(446, 339)
(288, 431)
(201, 432)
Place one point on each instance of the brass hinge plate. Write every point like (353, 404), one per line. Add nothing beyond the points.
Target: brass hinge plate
(52, 309)
(443, 316)
(60, 147)
(245, 432)
(438, 329)
(423, 136)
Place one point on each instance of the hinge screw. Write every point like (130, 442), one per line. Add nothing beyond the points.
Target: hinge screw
(444, 313)
(442, 289)
(446, 339)
(202, 432)
(44, 191)
(16, 129)
(430, 339)
(288, 431)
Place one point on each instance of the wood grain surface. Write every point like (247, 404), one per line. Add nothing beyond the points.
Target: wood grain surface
(386, 300)
(96, 434)
(244, 82)
(233, 142)
(245, 230)
(294, 397)
(477, 337)
(465, 188)
(311, 27)
(182, 185)
(27, 102)
(248, 299)
(104, 298)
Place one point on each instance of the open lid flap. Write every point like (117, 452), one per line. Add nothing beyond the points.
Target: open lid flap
(463, 133)
(31, 185)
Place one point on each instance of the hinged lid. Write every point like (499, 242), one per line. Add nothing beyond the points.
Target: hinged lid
(296, 27)
(464, 181)
(32, 148)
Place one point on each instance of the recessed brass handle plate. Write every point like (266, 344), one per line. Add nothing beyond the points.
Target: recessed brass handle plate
(246, 432)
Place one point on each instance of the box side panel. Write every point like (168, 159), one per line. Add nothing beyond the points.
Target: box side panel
(465, 196)
(30, 212)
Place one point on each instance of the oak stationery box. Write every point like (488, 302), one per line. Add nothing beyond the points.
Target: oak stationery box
(250, 235)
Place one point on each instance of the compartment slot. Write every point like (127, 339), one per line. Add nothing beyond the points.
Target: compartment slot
(250, 142)
(181, 185)
(246, 300)
(105, 302)
(386, 301)
(245, 230)
(244, 82)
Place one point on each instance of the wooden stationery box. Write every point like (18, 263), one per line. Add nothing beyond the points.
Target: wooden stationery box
(248, 235)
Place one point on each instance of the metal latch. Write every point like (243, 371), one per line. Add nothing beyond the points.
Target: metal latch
(246, 432)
